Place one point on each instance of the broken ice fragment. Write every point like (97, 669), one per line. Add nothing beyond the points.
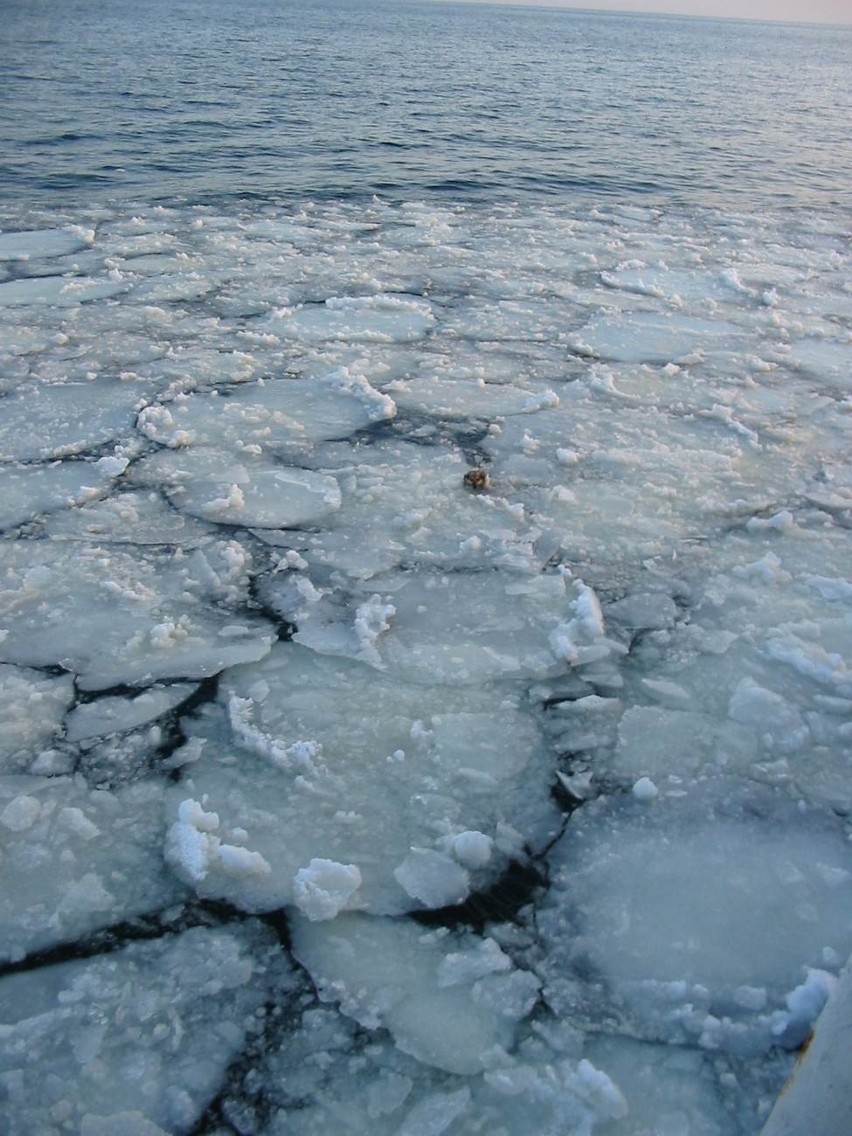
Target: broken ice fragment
(325, 888)
(433, 878)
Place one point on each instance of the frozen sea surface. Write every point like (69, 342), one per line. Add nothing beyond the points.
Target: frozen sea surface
(342, 789)
(425, 575)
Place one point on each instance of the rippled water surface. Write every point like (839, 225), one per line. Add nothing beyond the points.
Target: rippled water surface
(209, 100)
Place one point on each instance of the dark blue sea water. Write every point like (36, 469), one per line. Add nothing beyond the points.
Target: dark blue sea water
(208, 100)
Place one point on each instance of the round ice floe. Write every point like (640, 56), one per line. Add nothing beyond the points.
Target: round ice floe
(686, 907)
(64, 872)
(30, 491)
(655, 337)
(322, 761)
(41, 422)
(36, 243)
(58, 291)
(112, 617)
(691, 287)
(77, 1037)
(489, 315)
(210, 484)
(829, 360)
(278, 417)
(133, 517)
(615, 483)
(187, 286)
(356, 319)
(447, 399)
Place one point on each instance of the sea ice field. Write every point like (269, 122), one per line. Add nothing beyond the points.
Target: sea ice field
(425, 658)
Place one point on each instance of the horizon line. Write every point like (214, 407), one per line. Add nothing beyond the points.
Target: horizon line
(567, 5)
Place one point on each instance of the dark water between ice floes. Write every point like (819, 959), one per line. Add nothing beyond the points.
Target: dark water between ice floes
(208, 101)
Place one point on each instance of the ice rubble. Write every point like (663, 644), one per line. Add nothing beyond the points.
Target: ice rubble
(464, 627)
(34, 707)
(77, 859)
(625, 666)
(138, 1040)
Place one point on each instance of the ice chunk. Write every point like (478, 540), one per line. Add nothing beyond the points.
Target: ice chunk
(196, 851)
(779, 726)
(644, 611)
(20, 813)
(434, 1114)
(116, 715)
(580, 639)
(817, 1098)
(388, 973)
(472, 849)
(645, 790)
(325, 888)
(432, 878)
(656, 743)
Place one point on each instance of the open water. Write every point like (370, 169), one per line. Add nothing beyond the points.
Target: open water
(205, 100)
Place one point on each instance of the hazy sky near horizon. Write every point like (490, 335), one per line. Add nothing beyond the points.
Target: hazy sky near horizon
(809, 11)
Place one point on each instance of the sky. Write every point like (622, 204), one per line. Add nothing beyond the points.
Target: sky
(810, 11)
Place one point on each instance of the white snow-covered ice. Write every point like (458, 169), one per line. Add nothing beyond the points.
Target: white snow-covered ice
(425, 662)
